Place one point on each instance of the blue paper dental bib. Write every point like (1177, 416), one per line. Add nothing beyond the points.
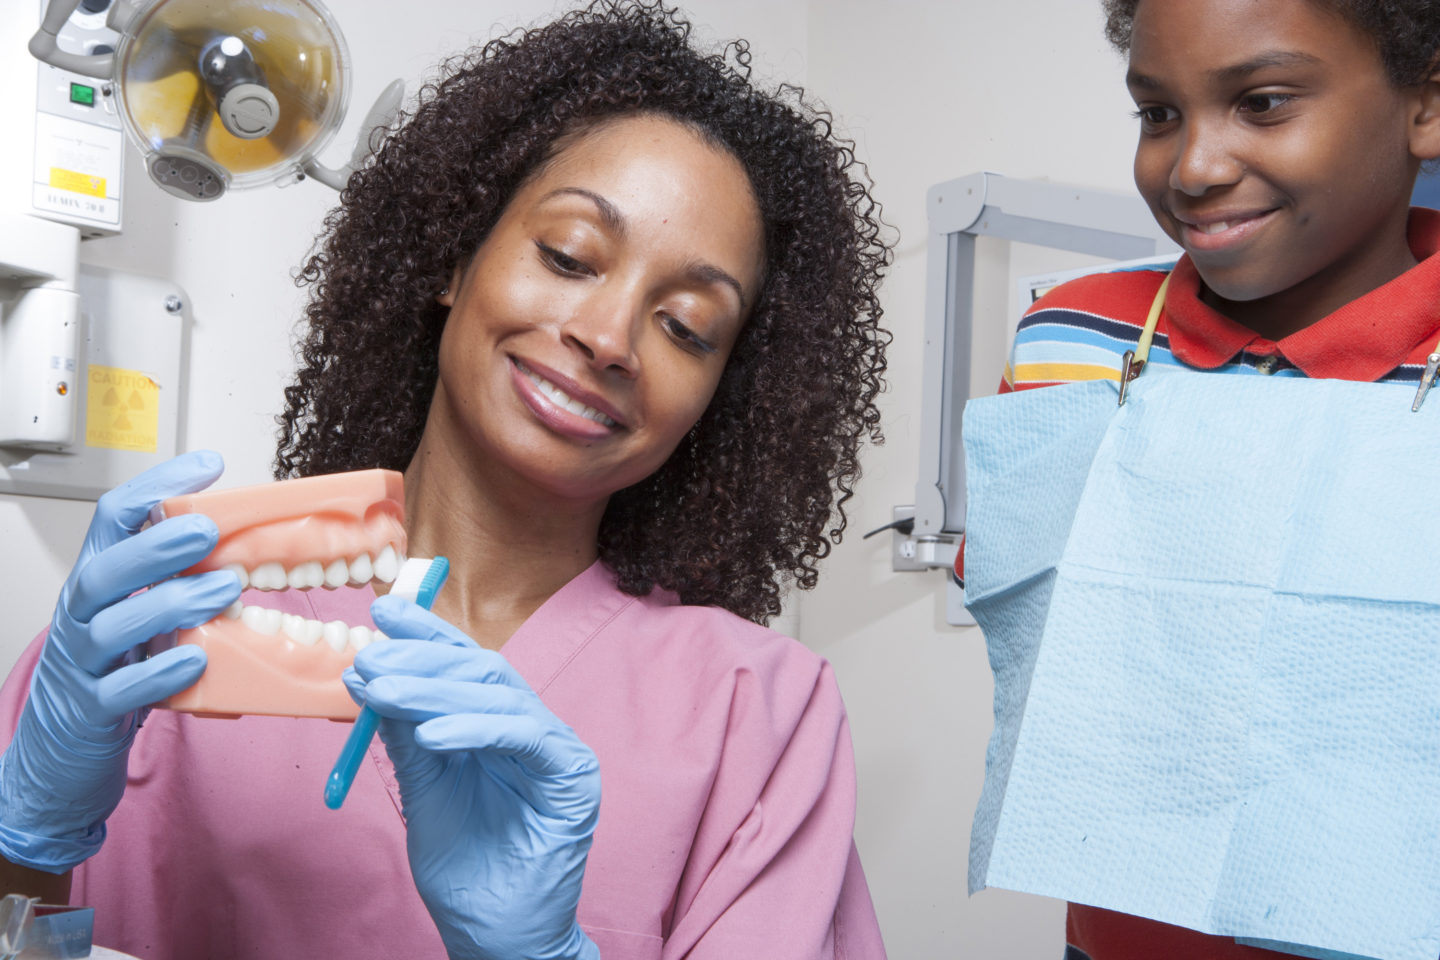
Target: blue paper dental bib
(1213, 615)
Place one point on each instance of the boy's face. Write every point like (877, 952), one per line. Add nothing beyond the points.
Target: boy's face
(1275, 150)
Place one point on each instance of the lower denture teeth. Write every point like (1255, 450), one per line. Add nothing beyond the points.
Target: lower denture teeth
(336, 634)
(233, 611)
(360, 637)
(292, 626)
(261, 620)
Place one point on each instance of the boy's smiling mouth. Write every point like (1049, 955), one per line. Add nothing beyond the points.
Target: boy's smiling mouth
(1220, 230)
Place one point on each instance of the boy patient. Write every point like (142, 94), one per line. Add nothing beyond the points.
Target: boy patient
(1279, 144)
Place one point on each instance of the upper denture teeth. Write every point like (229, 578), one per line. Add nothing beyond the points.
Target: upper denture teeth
(361, 569)
(337, 573)
(269, 576)
(305, 575)
(239, 571)
(387, 565)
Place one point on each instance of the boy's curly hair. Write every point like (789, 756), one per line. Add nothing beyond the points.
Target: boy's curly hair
(753, 495)
(1406, 32)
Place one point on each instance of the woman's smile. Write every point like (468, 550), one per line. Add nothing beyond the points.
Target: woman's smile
(565, 409)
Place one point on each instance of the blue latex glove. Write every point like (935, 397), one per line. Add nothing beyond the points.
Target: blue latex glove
(64, 771)
(500, 797)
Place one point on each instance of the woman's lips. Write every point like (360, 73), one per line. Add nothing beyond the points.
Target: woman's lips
(1219, 232)
(558, 409)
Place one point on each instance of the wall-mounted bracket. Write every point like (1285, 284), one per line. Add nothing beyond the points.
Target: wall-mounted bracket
(1101, 223)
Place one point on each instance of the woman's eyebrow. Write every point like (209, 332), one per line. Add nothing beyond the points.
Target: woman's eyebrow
(708, 274)
(698, 273)
(610, 215)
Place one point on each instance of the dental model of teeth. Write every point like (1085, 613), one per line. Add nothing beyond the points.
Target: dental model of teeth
(321, 534)
(309, 575)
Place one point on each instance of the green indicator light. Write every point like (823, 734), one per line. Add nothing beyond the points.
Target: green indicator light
(79, 93)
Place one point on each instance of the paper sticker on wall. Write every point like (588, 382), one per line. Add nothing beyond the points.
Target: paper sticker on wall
(122, 410)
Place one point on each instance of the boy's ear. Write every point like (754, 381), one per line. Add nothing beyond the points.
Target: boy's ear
(1425, 130)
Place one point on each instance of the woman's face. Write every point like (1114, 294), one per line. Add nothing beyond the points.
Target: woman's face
(588, 333)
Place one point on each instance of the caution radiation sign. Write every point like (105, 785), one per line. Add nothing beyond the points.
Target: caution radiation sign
(122, 410)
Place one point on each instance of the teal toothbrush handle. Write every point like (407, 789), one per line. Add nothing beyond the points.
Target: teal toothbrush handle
(356, 745)
(350, 756)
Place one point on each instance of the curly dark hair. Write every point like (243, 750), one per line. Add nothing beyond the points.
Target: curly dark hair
(754, 494)
(1405, 32)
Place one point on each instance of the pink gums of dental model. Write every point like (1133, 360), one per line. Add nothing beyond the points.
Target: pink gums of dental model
(321, 532)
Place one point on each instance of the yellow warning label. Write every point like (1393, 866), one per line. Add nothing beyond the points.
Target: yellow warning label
(83, 183)
(122, 410)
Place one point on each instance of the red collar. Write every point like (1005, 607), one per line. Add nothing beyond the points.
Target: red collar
(1363, 340)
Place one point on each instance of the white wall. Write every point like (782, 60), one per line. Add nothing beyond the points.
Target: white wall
(930, 90)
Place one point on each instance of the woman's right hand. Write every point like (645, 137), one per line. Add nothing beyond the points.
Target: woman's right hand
(64, 771)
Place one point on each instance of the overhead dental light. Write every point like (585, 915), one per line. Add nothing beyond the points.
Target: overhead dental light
(223, 95)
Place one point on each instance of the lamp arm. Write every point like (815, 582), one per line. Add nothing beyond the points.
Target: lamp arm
(379, 119)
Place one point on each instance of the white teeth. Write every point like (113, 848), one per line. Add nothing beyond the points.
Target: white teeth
(361, 570)
(562, 399)
(361, 637)
(306, 576)
(268, 576)
(337, 573)
(1213, 228)
(261, 620)
(305, 631)
(314, 573)
(336, 633)
(387, 565)
(293, 626)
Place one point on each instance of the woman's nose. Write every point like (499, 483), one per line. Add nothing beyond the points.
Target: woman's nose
(605, 328)
(1205, 160)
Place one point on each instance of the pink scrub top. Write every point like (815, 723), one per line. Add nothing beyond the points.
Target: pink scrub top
(725, 825)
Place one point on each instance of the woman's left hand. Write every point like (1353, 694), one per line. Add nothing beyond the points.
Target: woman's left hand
(500, 797)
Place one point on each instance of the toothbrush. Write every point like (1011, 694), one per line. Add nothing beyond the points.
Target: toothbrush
(419, 580)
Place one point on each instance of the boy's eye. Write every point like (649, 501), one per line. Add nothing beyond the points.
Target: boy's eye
(1262, 102)
(562, 262)
(685, 335)
(1154, 116)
